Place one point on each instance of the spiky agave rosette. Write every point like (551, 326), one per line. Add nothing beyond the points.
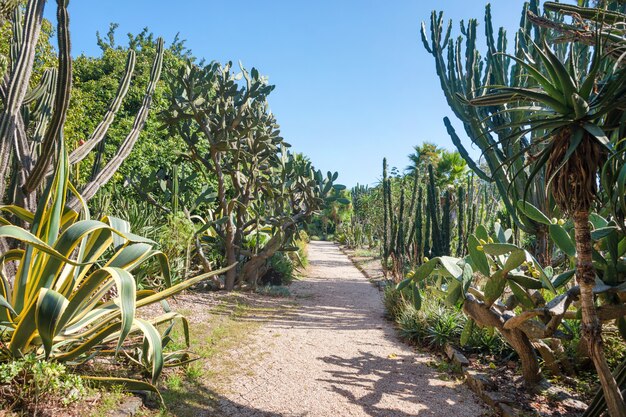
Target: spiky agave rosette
(57, 306)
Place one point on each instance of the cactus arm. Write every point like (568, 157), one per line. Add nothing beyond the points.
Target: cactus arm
(61, 101)
(82, 151)
(18, 84)
(459, 145)
(127, 145)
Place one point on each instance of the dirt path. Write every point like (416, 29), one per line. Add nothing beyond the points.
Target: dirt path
(335, 355)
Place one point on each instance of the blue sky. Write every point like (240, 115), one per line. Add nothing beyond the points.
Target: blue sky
(353, 81)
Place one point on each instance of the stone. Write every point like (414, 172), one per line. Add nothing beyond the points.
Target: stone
(508, 411)
(128, 407)
(478, 381)
(455, 356)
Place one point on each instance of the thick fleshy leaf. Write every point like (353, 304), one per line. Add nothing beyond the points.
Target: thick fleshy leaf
(532, 212)
(562, 239)
(49, 310)
(478, 257)
(126, 383)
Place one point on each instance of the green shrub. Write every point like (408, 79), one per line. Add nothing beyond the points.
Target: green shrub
(393, 301)
(175, 241)
(27, 382)
(444, 325)
(280, 270)
(412, 324)
(74, 295)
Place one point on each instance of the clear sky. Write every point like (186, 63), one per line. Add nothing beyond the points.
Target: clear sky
(353, 81)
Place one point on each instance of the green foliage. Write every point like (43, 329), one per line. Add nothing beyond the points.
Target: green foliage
(27, 382)
(176, 239)
(74, 293)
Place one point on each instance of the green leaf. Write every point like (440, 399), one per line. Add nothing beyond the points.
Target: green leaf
(526, 281)
(450, 264)
(481, 233)
(562, 240)
(478, 257)
(515, 259)
(563, 278)
(126, 383)
(417, 297)
(602, 232)
(521, 295)
(403, 284)
(466, 334)
(495, 287)
(48, 312)
(532, 212)
(454, 292)
(497, 249)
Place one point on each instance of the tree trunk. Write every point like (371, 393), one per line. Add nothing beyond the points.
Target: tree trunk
(231, 256)
(488, 316)
(591, 326)
(542, 247)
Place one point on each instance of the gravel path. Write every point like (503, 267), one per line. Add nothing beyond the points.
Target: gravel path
(335, 355)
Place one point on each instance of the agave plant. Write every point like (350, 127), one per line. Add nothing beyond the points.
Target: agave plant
(570, 115)
(74, 295)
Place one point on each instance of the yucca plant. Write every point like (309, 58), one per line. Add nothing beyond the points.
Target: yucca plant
(74, 295)
(568, 116)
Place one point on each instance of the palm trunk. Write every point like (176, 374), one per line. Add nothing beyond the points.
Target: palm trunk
(591, 326)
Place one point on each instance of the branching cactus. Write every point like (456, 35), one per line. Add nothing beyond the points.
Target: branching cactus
(28, 144)
(463, 73)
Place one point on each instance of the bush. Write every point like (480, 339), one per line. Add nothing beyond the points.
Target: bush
(393, 301)
(411, 322)
(436, 324)
(28, 382)
(280, 270)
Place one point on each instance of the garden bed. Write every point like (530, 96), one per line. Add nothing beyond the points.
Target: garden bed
(494, 378)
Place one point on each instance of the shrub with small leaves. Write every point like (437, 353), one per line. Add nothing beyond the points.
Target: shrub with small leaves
(27, 382)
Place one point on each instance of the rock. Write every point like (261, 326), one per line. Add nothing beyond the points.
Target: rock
(455, 356)
(494, 398)
(508, 411)
(128, 407)
(573, 404)
(478, 382)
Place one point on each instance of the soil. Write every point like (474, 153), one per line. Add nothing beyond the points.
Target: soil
(334, 354)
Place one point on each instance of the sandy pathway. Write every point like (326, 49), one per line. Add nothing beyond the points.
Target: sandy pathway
(335, 355)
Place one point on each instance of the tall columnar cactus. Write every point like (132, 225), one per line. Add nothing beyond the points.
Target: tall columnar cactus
(400, 235)
(433, 209)
(419, 243)
(464, 79)
(386, 212)
(445, 225)
(427, 237)
(392, 218)
(460, 249)
(47, 104)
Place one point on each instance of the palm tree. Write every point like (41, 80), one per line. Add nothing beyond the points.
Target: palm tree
(567, 119)
(425, 154)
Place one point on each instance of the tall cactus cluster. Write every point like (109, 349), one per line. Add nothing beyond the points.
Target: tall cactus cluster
(32, 117)
(424, 220)
(463, 79)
